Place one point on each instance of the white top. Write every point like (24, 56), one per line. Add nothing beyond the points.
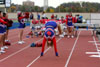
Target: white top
(44, 15)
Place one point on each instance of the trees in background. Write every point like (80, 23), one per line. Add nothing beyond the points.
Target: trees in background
(65, 7)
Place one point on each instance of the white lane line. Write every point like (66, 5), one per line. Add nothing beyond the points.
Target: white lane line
(96, 56)
(98, 50)
(67, 62)
(92, 52)
(39, 56)
(96, 45)
(94, 41)
(16, 52)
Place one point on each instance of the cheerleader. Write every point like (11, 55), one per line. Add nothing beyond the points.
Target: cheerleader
(49, 36)
(9, 24)
(21, 20)
(70, 27)
(2, 33)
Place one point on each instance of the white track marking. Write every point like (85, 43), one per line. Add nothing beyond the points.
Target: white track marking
(67, 62)
(98, 50)
(96, 56)
(39, 56)
(94, 41)
(96, 45)
(92, 52)
(16, 52)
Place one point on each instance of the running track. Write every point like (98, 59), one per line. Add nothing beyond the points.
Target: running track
(72, 52)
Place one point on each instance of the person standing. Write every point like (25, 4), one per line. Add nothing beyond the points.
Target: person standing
(38, 16)
(31, 16)
(43, 15)
(70, 26)
(2, 33)
(21, 27)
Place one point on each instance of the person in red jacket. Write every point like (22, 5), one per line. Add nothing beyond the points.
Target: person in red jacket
(2, 33)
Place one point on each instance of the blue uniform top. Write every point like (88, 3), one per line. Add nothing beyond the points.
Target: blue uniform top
(70, 21)
(80, 17)
(38, 16)
(51, 24)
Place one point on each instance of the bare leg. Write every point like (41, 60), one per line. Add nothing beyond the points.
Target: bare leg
(6, 35)
(1, 41)
(21, 35)
(68, 31)
(72, 31)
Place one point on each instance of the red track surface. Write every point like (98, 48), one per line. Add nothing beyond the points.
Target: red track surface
(72, 52)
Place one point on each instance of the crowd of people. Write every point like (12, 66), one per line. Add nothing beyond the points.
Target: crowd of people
(40, 26)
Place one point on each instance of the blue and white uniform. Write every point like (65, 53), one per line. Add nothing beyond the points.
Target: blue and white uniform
(70, 21)
(2, 27)
(50, 26)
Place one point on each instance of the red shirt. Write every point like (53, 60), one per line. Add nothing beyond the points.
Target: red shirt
(52, 16)
(27, 14)
(75, 20)
(43, 21)
(2, 21)
(35, 21)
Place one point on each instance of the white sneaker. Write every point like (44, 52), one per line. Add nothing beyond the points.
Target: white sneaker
(2, 51)
(57, 33)
(61, 36)
(68, 36)
(7, 40)
(23, 42)
(5, 47)
(72, 36)
(2, 48)
(20, 42)
(64, 33)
